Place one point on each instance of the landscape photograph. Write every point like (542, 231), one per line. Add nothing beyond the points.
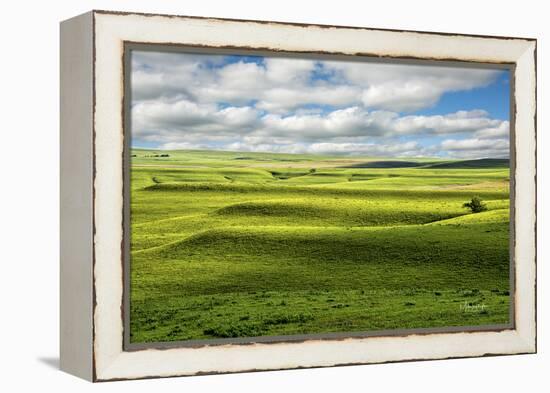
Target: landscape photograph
(291, 196)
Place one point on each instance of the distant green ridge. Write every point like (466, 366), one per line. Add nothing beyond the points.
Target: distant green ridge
(467, 164)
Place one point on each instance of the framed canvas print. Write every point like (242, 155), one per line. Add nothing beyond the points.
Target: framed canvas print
(246, 195)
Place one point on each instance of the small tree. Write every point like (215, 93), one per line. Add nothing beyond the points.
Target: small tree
(476, 205)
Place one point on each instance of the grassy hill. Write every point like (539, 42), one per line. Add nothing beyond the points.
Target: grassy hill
(227, 244)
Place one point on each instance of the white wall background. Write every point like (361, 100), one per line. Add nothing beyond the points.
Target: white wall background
(29, 194)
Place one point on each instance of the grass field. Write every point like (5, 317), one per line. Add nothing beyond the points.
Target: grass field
(227, 244)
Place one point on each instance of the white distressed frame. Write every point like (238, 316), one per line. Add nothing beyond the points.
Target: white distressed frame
(110, 31)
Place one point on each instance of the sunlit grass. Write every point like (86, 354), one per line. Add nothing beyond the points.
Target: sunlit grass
(228, 244)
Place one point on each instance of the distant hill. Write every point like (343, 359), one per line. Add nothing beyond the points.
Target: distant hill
(386, 164)
(472, 164)
(183, 157)
(458, 164)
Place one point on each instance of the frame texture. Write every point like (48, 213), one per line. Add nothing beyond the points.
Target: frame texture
(104, 356)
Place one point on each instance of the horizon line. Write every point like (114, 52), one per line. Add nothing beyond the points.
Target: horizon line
(347, 155)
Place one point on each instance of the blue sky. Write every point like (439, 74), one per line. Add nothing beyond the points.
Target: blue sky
(494, 98)
(293, 105)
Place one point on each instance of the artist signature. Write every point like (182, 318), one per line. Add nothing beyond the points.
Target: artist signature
(473, 308)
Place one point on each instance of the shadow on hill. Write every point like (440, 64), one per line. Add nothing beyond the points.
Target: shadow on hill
(472, 164)
(463, 164)
(386, 164)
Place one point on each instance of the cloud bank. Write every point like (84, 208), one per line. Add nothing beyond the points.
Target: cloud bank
(185, 101)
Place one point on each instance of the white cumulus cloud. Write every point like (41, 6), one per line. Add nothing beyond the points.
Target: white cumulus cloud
(190, 101)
